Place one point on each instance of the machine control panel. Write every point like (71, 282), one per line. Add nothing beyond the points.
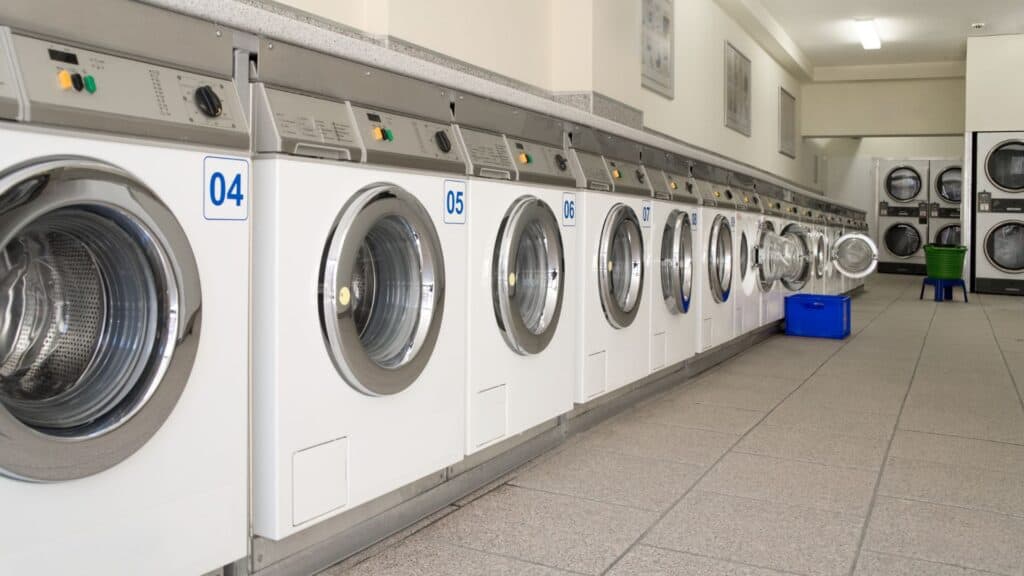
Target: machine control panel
(82, 88)
(487, 154)
(541, 163)
(1003, 205)
(304, 126)
(749, 201)
(628, 177)
(593, 172)
(10, 105)
(399, 140)
(682, 189)
(659, 183)
(940, 211)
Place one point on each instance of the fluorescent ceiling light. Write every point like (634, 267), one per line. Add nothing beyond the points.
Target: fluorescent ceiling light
(868, 34)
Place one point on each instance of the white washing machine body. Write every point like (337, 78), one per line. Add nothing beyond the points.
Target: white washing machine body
(945, 223)
(719, 248)
(521, 345)
(999, 227)
(613, 322)
(675, 272)
(748, 297)
(125, 261)
(901, 189)
(359, 336)
(773, 222)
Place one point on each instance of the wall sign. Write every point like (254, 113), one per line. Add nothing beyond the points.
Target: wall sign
(737, 90)
(658, 47)
(787, 123)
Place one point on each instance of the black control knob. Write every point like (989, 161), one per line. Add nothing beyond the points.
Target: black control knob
(77, 82)
(208, 102)
(640, 176)
(444, 144)
(561, 162)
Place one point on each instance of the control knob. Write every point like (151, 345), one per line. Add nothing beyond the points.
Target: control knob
(444, 144)
(640, 176)
(561, 162)
(208, 102)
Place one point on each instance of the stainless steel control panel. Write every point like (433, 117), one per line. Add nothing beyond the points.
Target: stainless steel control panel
(397, 140)
(296, 124)
(74, 87)
(659, 183)
(487, 154)
(628, 177)
(541, 163)
(593, 174)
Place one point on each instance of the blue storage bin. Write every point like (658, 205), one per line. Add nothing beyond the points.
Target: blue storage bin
(818, 316)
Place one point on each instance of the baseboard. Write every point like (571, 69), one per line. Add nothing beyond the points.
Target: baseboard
(902, 268)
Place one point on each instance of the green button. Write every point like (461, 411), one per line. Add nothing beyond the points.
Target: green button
(90, 84)
(388, 135)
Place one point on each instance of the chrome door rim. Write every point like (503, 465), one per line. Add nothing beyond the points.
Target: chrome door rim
(59, 186)
(766, 284)
(373, 206)
(938, 233)
(988, 235)
(620, 315)
(720, 265)
(677, 268)
(988, 159)
(527, 211)
(800, 233)
(851, 237)
(820, 256)
(920, 183)
(938, 181)
(920, 240)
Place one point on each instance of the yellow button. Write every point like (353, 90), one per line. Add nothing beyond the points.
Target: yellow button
(673, 185)
(717, 193)
(745, 199)
(378, 133)
(616, 174)
(523, 158)
(64, 80)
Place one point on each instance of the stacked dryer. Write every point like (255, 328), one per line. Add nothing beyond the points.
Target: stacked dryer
(749, 217)
(999, 205)
(613, 224)
(944, 223)
(903, 208)
(718, 235)
(522, 269)
(674, 289)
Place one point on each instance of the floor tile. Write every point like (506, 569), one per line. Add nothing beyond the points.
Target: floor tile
(957, 422)
(946, 534)
(428, 557)
(773, 535)
(955, 485)
(807, 414)
(651, 561)
(874, 564)
(816, 446)
(958, 451)
(612, 477)
(791, 482)
(637, 437)
(680, 410)
(739, 390)
(549, 529)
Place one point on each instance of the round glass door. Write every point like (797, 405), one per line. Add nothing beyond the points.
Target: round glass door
(527, 275)
(903, 184)
(99, 317)
(820, 255)
(767, 269)
(621, 266)
(854, 255)
(677, 262)
(948, 234)
(902, 240)
(1005, 166)
(1004, 246)
(382, 290)
(720, 258)
(744, 261)
(949, 183)
(796, 259)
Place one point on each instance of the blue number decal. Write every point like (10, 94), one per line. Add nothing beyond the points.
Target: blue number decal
(455, 201)
(218, 188)
(235, 190)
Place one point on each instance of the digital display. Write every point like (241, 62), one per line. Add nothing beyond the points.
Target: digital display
(373, 117)
(65, 57)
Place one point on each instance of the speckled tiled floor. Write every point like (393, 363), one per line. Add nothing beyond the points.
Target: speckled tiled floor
(899, 451)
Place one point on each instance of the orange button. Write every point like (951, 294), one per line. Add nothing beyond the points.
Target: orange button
(64, 80)
(378, 133)
(616, 174)
(672, 184)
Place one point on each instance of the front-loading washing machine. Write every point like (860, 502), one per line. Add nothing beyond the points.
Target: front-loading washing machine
(857, 260)
(672, 292)
(944, 222)
(749, 217)
(835, 282)
(809, 209)
(903, 206)
(796, 265)
(999, 213)
(359, 257)
(124, 261)
(522, 270)
(613, 225)
(773, 222)
(718, 237)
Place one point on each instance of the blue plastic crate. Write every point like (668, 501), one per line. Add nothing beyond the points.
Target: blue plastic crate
(818, 316)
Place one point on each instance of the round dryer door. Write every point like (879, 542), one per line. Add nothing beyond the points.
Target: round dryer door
(948, 235)
(903, 184)
(1004, 246)
(620, 276)
(902, 240)
(766, 265)
(948, 184)
(797, 258)
(382, 290)
(677, 262)
(527, 277)
(1005, 166)
(720, 258)
(854, 255)
(99, 317)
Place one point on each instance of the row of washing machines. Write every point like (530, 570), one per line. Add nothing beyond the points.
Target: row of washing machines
(247, 293)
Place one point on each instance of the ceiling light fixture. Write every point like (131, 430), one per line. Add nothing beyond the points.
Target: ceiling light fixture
(868, 34)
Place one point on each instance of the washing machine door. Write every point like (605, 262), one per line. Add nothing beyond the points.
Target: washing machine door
(797, 258)
(1005, 166)
(527, 276)
(677, 262)
(949, 184)
(854, 255)
(620, 275)
(819, 246)
(382, 290)
(1004, 246)
(948, 234)
(99, 317)
(720, 258)
(903, 184)
(902, 240)
(765, 261)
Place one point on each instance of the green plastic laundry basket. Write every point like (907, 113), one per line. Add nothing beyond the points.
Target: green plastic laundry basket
(945, 262)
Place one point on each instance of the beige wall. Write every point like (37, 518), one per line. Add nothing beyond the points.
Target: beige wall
(995, 83)
(884, 108)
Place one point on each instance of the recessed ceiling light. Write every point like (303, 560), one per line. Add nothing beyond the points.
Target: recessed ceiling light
(978, 26)
(868, 34)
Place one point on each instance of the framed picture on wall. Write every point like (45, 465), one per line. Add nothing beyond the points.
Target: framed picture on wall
(737, 90)
(787, 123)
(658, 47)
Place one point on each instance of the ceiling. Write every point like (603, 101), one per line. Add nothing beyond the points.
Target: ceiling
(912, 31)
